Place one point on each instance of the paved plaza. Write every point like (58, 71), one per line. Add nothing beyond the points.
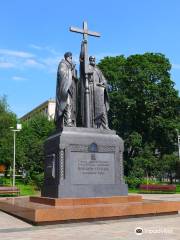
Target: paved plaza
(159, 227)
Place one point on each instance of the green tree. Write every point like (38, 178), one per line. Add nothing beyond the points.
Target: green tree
(143, 100)
(145, 164)
(169, 166)
(30, 144)
(133, 146)
(7, 120)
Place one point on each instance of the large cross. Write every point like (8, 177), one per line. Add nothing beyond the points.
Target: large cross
(84, 31)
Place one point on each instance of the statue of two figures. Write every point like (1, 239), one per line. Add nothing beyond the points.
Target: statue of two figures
(82, 162)
(67, 94)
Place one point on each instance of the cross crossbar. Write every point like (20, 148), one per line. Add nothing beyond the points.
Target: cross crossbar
(84, 31)
(78, 30)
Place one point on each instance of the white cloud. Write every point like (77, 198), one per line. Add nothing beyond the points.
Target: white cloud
(34, 46)
(16, 59)
(176, 66)
(52, 51)
(45, 49)
(12, 53)
(18, 78)
(33, 63)
(6, 65)
(47, 58)
(49, 61)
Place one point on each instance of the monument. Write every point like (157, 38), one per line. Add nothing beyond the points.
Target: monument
(83, 161)
(84, 164)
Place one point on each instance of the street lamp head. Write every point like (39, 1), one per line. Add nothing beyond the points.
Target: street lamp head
(19, 126)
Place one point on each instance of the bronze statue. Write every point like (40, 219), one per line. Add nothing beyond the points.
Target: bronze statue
(83, 159)
(99, 101)
(84, 71)
(94, 94)
(66, 93)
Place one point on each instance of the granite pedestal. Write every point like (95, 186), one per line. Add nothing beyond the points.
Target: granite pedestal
(84, 162)
(41, 210)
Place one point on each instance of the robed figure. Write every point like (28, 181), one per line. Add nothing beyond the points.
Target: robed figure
(99, 100)
(66, 93)
(98, 94)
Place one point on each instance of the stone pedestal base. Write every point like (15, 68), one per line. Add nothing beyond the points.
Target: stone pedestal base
(39, 210)
(84, 162)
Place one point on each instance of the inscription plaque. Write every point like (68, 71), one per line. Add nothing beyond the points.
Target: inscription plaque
(92, 168)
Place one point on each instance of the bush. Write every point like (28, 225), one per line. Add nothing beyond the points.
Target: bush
(133, 182)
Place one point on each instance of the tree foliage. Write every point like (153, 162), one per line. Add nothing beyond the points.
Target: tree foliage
(143, 106)
(7, 120)
(30, 143)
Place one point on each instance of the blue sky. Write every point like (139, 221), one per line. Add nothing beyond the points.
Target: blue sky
(34, 34)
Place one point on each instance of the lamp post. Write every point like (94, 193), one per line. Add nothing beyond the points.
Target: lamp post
(179, 146)
(18, 128)
(178, 137)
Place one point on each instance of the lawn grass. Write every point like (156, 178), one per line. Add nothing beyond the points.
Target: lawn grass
(25, 189)
(177, 188)
(133, 190)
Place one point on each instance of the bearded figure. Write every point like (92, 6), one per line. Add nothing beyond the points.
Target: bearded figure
(66, 93)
